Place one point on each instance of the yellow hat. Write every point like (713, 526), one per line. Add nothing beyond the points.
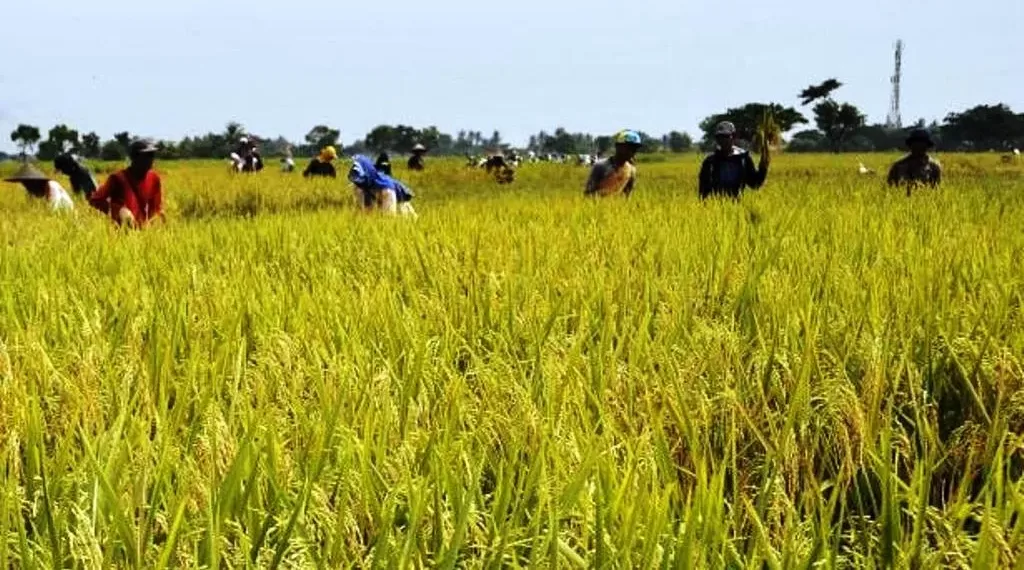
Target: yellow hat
(328, 153)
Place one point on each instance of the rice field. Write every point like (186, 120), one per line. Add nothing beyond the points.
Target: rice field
(825, 374)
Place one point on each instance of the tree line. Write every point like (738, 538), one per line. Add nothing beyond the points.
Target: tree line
(393, 138)
(837, 126)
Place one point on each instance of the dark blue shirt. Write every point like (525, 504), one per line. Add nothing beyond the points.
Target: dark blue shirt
(728, 174)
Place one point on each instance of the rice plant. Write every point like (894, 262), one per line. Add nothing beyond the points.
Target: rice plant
(824, 374)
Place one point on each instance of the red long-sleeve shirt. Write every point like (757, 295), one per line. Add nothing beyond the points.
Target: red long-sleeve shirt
(143, 198)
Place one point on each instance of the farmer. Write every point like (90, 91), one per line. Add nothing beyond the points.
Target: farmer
(730, 169)
(323, 164)
(376, 190)
(616, 175)
(416, 160)
(132, 196)
(501, 168)
(917, 167)
(287, 161)
(82, 180)
(40, 185)
(246, 156)
(383, 163)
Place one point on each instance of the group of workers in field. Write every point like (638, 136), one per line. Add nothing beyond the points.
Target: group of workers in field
(373, 184)
(730, 170)
(133, 196)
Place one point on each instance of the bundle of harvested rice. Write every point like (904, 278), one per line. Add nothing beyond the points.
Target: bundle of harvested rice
(769, 134)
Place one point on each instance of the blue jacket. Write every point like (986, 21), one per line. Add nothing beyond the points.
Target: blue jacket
(367, 178)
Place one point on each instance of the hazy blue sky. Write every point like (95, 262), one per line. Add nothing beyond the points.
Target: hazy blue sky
(189, 66)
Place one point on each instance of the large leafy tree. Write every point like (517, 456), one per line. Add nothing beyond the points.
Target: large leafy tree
(59, 139)
(90, 145)
(561, 142)
(123, 138)
(388, 137)
(807, 141)
(402, 138)
(406, 137)
(322, 135)
(837, 121)
(434, 139)
(984, 127)
(26, 137)
(678, 142)
(748, 117)
(113, 150)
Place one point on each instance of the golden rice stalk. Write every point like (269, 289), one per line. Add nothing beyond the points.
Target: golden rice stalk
(769, 135)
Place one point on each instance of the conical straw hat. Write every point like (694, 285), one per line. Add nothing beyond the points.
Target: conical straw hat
(27, 172)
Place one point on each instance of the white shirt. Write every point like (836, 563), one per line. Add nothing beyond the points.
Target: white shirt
(58, 197)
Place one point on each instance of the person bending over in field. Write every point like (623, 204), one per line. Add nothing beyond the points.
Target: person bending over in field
(500, 168)
(287, 161)
(375, 190)
(917, 167)
(616, 175)
(730, 170)
(82, 181)
(322, 165)
(39, 185)
(416, 160)
(133, 196)
(247, 157)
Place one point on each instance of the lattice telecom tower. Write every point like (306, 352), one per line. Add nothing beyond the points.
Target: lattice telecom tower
(895, 120)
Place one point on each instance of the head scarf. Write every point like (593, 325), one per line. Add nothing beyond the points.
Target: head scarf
(366, 176)
(628, 137)
(328, 154)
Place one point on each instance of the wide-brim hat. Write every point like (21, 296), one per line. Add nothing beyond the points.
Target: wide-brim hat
(419, 148)
(27, 172)
(142, 146)
(920, 135)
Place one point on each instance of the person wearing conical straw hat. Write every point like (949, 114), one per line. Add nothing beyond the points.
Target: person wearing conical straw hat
(918, 167)
(416, 160)
(730, 170)
(133, 196)
(40, 185)
(616, 175)
(322, 165)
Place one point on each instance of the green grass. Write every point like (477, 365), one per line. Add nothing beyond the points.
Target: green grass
(826, 374)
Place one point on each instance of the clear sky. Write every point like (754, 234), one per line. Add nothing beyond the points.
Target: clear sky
(166, 69)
